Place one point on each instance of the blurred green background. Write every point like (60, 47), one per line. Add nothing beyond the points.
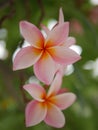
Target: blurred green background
(81, 78)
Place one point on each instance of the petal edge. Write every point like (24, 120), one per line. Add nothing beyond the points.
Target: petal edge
(34, 113)
(26, 57)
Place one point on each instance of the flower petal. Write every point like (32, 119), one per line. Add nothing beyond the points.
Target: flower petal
(31, 34)
(26, 57)
(61, 69)
(35, 90)
(69, 41)
(45, 68)
(61, 16)
(64, 55)
(54, 117)
(57, 35)
(35, 112)
(56, 84)
(64, 100)
(63, 90)
(45, 29)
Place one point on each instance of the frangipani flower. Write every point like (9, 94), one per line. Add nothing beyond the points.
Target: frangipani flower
(43, 53)
(47, 106)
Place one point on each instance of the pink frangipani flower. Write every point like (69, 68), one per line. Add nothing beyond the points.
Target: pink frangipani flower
(43, 53)
(47, 106)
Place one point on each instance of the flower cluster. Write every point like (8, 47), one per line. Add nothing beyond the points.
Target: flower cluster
(49, 56)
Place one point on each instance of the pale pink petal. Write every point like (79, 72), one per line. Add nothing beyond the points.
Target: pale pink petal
(69, 42)
(45, 29)
(61, 69)
(64, 55)
(56, 84)
(63, 90)
(61, 16)
(31, 34)
(57, 35)
(35, 112)
(35, 90)
(54, 117)
(26, 57)
(64, 100)
(45, 68)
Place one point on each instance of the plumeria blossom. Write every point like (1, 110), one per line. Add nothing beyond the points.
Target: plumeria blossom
(45, 53)
(47, 106)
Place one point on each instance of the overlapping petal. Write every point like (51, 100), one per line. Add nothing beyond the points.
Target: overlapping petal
(36, 91)
(31, 34)
(35, 113)
(64, 55)
(26, 57)
(45, 29)
(55, 86)
(57, 35)
(63, 90)
(61, 69)
(54, 117)
(64, 100)
(69, 42)
(45, 68)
